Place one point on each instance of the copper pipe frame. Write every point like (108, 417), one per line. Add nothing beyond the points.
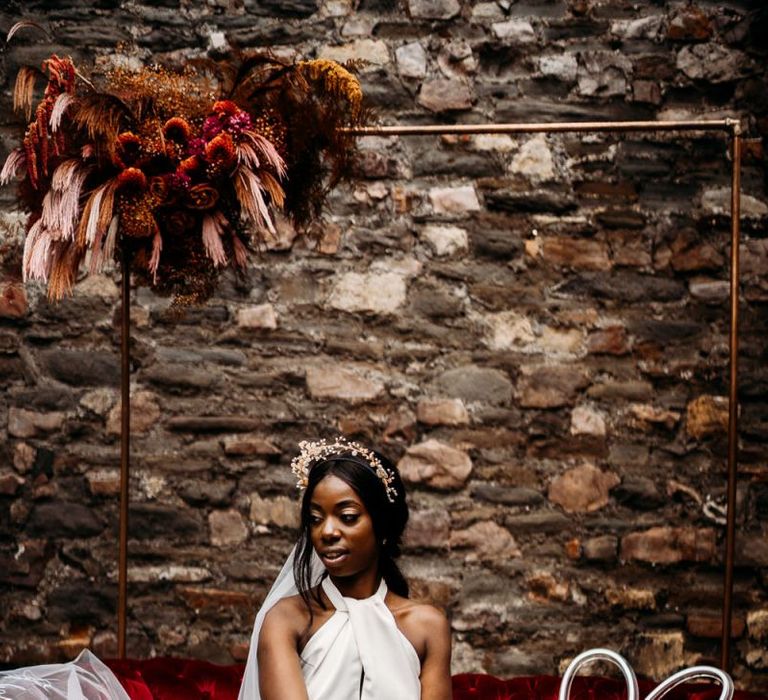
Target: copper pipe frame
(125, 447)
(733, 403)
(733, 126)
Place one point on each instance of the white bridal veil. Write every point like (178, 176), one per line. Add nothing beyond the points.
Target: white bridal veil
(284, 586)
(85, 678)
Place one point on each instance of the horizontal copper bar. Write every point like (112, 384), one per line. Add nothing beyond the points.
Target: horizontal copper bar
(553, 127)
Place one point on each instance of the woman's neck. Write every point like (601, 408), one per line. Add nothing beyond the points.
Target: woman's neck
(362, 585)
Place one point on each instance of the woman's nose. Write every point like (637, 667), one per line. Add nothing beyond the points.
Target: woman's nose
(330, 530)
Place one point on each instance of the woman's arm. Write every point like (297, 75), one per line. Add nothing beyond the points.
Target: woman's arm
(279, 668)
(436, 667)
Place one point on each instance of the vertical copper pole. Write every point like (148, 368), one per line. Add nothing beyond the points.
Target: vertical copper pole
(125, 443)
(733, 404)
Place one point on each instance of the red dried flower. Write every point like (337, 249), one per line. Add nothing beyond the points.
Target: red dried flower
(178, 130)
(220, 152)
(190, 166)
(225, 108)
(131, 180)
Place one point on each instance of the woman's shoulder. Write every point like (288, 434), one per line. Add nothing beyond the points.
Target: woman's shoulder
(290, 613)
(417, 614)
(425, 626)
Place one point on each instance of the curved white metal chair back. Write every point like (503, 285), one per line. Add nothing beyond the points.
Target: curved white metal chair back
(599, 655)
(689, 674)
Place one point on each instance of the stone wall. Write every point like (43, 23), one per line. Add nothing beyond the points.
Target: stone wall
(535, 328)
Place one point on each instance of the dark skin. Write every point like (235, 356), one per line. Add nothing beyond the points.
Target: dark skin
(342, 534)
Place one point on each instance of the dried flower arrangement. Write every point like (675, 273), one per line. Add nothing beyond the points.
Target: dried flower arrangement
(180, 169)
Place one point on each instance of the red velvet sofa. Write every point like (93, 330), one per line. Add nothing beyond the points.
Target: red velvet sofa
(179, 679)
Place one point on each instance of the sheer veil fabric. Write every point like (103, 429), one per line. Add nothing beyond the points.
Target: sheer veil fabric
(359, 653)
(85, 678)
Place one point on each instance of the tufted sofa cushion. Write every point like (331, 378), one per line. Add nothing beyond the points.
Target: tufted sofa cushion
(181, 679)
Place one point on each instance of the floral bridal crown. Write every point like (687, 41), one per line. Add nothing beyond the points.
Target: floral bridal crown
(311, 453)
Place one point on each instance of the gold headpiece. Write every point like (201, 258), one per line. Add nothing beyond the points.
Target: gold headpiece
(312, 452)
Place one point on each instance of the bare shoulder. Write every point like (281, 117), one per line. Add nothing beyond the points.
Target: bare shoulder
(417, 610)
(289, 615)
(423, 624)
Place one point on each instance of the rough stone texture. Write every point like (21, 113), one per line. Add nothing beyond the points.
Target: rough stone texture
(373, 292)
(228, 529)
(446, 95)
(534, 160)
(486, 541)
(631, 598)
(707, 415)
(612, 340)
(411, 60)
(280, 511)
(446, 240)
(260, 316)
(602, 548)
(569, 290)
(710, 625)
(442, 412)
(60, 518)
(331, 382)
(83, 369)
(145, 413)
(476, 384)
(433, 9)
(711, 62)
(757, 623)
(13, 301)
(26, 424)
(454, 200)
(375, 52)
(585, 420)
(435, 464)
(603, 73)
(666, 545)
(576, 253)
(659, 654)
(428, 529)
(242, 445)
(582, 489)
(515, 31)
(549, 386)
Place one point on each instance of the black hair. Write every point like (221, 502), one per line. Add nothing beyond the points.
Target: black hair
(389, 518)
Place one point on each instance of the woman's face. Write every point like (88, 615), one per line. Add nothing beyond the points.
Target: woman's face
(341, 529)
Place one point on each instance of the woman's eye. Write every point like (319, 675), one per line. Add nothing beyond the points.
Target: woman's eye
(315, 520)
(349, 518)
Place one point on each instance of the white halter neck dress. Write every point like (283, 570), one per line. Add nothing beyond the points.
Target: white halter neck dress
(359, 653)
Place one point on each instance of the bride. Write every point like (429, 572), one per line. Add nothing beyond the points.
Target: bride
(338, 623)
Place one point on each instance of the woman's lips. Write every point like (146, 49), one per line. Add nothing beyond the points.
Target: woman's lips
(333, 557)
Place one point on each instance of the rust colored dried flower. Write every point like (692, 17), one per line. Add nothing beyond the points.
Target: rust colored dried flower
(202, 197)
(336, 79)
(221, 153)
(178, 130)
(225, 108)
(131, 181)
(190, 166)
